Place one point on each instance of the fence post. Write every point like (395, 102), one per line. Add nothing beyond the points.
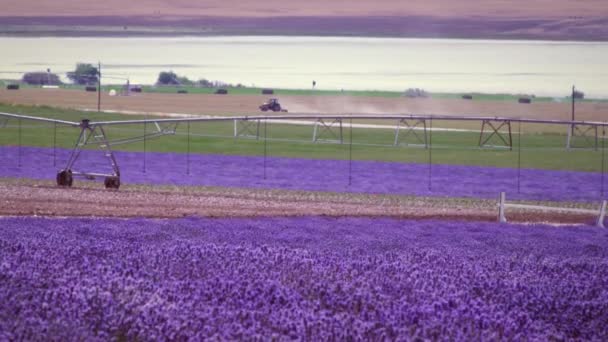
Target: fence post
(501, 208)
(54, 144)
(19, 151)
(145, 132)
(600, 218)
(266, 144)
(431, 155)
(350, 154)
(188, 153)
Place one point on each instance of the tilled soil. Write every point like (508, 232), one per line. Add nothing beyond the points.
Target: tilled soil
(497, 19)
(44, 199)
(209, 104)
(162, 10)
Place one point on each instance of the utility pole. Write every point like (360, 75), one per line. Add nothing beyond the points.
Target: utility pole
(573, 93)
(99, 87)
(571, 130)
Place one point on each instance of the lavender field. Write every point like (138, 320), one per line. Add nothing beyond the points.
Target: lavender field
(307, 278)
(315, 175)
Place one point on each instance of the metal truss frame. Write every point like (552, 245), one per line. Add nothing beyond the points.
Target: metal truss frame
(95, 135)
(321, 127)
(496, 125)
(247, 129)
(411, 125)
(581, 131)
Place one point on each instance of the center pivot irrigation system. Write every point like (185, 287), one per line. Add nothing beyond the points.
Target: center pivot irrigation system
(93, 133)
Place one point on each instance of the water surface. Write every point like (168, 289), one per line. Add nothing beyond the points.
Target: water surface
(437, 65)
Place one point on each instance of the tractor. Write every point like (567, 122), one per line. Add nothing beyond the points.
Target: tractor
(273, 105)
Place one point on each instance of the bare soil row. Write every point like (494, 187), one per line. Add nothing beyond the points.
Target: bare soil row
(40, 198)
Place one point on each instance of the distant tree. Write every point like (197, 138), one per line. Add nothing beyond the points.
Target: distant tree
(167, 78)
(183, 80)
(579, 94)
(84, 74)
(41, 78)
(205, 83)
(171, 78)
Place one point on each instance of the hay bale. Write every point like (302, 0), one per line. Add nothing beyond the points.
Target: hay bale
(221, 91)
(182, 91)
(467, 97)
(90, 88)
(525, 100)
(267, 91)
(12, 87)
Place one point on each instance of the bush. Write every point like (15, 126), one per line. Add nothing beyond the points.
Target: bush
(183, 80)
(41, 78)
(84, 74)
(205, 83)
(167, 78)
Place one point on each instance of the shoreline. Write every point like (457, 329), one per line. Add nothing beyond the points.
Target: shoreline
(424, 27)
(281, 91)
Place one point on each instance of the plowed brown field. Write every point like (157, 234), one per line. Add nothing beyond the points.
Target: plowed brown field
(277, 8)
(204, 104)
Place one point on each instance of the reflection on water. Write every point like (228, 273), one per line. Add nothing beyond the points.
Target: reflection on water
(439, 65)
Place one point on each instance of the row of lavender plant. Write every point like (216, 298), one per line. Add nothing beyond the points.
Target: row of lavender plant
(314, 175)
(304, 278)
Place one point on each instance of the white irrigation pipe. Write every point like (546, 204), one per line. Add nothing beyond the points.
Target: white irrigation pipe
(503, 205)
(292, 122)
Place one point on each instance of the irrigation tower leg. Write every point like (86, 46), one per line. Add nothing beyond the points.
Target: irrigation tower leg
(322, 127)
(508, 141)
(501, 208)
(411, 125)
(90, 135)
(600, 218)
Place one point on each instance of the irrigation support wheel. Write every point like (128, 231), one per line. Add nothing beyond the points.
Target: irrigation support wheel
(112, 182)
(65, 178)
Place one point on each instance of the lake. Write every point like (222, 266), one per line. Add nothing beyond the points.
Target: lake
(436, 65)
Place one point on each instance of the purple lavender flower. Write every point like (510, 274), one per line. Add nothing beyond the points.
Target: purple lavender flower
(304, 278)
(315, 175)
